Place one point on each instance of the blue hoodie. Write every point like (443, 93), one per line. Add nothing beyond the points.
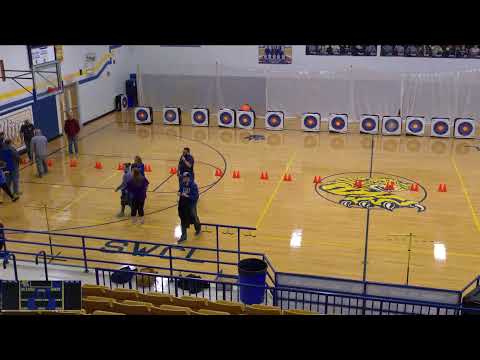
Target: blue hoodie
(190, 189)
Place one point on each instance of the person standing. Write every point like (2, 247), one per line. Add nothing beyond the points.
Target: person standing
(137, 163)
(38, 147)
(26, 130)
(12, 159)
(185, 164)
(187, 206)
(72, 128)
(3, 183)
(137, 189)
(125, 197)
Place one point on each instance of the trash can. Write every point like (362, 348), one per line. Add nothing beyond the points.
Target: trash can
(252, 272)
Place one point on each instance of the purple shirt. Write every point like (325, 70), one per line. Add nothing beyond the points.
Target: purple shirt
(138, 192)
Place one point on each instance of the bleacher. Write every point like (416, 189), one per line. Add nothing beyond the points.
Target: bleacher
(101, 300)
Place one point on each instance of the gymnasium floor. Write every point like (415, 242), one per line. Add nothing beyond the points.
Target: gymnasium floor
(301, 227)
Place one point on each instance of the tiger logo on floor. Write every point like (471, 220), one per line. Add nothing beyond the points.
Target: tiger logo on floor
(373, 193)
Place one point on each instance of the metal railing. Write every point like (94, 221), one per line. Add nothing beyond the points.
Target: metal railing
(88, 256)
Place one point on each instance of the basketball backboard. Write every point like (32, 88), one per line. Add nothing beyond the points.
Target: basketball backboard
(46, 79)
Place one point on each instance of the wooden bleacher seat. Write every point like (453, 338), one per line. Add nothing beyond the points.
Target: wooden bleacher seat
(299, 312)
(192, 302)
(170, 310)
(129, 307)
(94, 290)
(120, 294)
(262, 310)
(156, 299)
(101, 312)
(92, 303)
(227, 306)
(212, 312)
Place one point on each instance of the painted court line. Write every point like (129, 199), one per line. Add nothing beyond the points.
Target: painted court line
(465, 192)
(275, 191)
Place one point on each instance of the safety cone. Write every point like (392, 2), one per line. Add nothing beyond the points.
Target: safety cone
(98, 165)
(148, 168)
(317, 180)
(173, 171)
(414, 187)
(287, 177)
(236, 174)
(264, 176)
(50, 163)
(218, 172)
(442, 188)
(390, 186)
(73, 163)
(120, 166)
(358, 183)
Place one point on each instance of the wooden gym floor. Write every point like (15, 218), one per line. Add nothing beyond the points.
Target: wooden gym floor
(301, 227)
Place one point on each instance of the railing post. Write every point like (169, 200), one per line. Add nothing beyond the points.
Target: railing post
(44, 254)
(170, 260)
(238, 244)
(5, 261)
(96, 276)
(84, 254)
(218, 250)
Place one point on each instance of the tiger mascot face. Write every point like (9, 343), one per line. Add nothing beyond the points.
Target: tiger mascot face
(373, 193)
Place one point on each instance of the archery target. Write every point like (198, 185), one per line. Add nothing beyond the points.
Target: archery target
(143, 115)
(311, 122)
(391, 125)
(440, 127)
(369, 124)
(274, 120)
(415, 125)
(464, 128)
(226, 118)
(199, 117)
(171, 116)
(245, 120)
(338, 123)
(123, 103)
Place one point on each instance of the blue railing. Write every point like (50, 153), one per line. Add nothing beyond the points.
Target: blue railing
(85, 255)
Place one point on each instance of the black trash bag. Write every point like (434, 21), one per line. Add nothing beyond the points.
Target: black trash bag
(124, 275)
(192, 286)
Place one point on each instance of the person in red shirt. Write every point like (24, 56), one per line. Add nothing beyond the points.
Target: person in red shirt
(72, 128)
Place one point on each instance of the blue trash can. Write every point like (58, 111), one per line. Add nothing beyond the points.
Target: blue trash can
(252, 272)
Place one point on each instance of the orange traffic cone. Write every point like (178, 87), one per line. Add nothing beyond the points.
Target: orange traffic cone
(317, 180)
(148, 168)
(218, 172)
(173, 171)
(264, 176)
(358, 183)
(50, 163)
(120, 166)
(73, 163)
(98, 165)
(236, 174)
(287, 177)
(414, 187)
(442, 188)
